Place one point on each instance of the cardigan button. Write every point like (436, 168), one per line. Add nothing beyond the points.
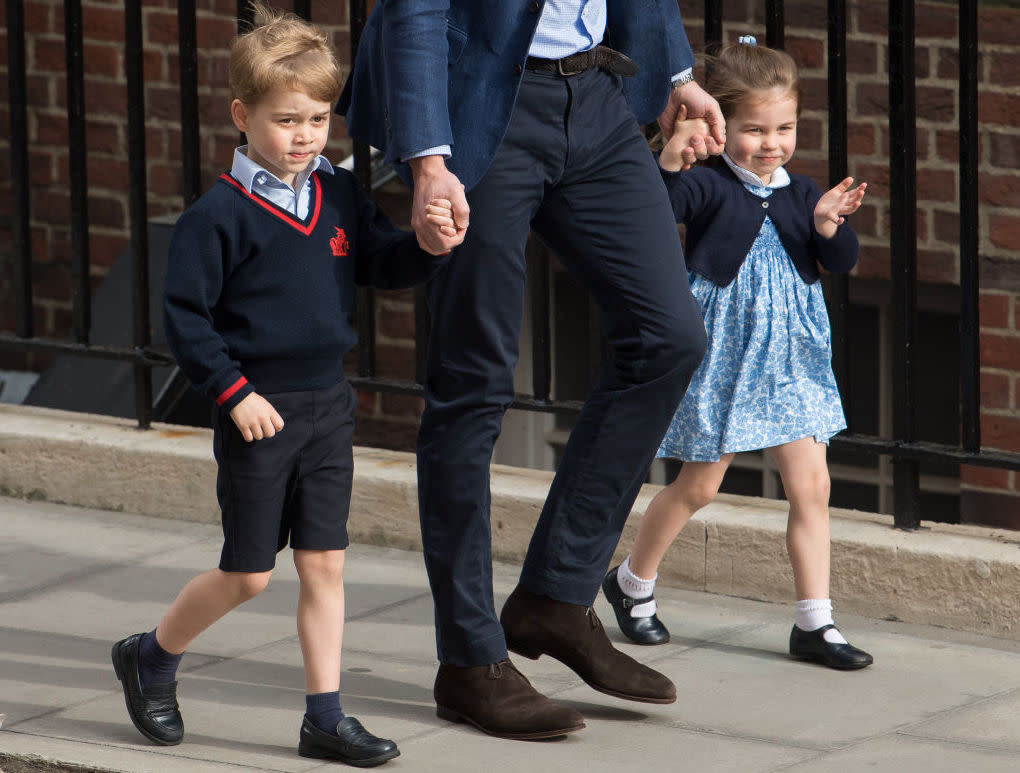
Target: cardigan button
(765, 205)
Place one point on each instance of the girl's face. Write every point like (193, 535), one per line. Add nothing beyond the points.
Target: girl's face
(762, 132)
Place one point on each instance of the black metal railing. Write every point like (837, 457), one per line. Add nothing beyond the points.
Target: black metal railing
(906, 451)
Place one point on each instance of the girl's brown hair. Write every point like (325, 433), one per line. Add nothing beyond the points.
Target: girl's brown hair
(740, 69)
(282, 50)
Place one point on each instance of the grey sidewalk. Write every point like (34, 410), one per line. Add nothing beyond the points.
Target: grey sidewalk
(73, 580)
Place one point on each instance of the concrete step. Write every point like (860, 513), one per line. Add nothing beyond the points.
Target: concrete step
(959, 577)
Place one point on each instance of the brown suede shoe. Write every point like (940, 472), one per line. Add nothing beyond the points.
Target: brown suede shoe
(538, 625)
(499, 700)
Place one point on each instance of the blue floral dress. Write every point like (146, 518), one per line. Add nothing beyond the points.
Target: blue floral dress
(766, 378)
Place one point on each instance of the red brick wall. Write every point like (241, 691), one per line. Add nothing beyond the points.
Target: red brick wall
(392, 418)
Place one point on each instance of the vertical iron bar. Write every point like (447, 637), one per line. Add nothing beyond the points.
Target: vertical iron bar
(713, 25)
(903, 244)
(970, 360)
(541, 335)
(81, 288)
(21, 233)
(134, 65)
(191, 152)
(245, 15)
(840, 284)
(774, 28)
(365, 312)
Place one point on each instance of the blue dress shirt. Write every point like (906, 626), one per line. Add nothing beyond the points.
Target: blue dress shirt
(260, 181)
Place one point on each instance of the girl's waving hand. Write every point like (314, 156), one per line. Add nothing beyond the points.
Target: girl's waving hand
(835, 204)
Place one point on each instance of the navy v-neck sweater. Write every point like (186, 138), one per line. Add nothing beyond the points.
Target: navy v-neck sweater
(258, 300)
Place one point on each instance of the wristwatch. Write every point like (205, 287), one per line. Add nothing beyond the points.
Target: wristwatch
(684, 79)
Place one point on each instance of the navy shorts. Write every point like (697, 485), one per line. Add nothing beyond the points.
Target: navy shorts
(293, 487)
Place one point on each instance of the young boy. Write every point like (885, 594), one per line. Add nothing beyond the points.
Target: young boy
(259, 287)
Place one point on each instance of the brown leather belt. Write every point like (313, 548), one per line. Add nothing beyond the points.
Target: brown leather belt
(602, 57)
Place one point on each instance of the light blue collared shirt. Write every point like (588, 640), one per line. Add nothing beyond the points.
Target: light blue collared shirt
(564, 28)
(780, 177)
(257, 179)
(568, 26)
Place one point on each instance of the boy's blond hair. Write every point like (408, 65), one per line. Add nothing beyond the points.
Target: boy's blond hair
(282, 50)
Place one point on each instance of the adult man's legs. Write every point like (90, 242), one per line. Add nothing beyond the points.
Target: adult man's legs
(476, 304)
(609, 220)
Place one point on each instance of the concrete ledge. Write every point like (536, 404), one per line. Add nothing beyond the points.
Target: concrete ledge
(961, 577)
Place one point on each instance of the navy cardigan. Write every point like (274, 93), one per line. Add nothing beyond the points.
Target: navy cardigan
(723, 219)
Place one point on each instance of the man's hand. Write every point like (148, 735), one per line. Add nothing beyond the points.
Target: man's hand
(699, 104)
(256, 418)
(432, 181)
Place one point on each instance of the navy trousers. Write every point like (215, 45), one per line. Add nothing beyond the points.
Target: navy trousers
(574, 168)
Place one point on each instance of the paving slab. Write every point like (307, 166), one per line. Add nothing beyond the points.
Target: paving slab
(74, 580)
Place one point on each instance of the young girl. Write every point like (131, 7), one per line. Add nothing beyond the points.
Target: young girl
(755, 237)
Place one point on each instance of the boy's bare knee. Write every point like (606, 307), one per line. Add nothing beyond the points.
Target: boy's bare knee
(251, 584)
(320, 566)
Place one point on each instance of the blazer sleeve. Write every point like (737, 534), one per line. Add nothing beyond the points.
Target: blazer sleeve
(388, 257)
(414, 34)
(194, 280)
(681, 57)
(838, 254)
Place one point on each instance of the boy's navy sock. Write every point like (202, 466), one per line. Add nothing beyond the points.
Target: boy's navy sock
(155, 664)
(323, 710)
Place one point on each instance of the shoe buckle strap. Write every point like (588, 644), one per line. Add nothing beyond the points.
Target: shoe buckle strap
(629, 603)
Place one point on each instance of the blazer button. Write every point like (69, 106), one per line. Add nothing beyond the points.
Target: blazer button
(534, 7)
(765, 204)
(518, 69)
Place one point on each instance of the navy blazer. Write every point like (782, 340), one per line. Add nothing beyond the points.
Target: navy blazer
(447, 72)
(723, 219)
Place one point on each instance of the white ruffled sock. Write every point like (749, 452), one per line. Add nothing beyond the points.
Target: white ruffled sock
(635, 587)
(812, 614)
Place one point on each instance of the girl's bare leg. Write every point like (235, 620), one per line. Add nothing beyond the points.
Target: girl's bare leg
(695, 486)
(805, 476)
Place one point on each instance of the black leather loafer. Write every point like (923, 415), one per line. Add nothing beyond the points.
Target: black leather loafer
(811, 645)
(351, 744)
(155, 712)
(640, 630)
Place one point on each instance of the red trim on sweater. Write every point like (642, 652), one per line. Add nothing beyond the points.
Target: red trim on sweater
(231, 390)
(305, 228)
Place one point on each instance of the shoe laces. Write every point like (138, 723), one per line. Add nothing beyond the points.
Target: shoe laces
(496, 670)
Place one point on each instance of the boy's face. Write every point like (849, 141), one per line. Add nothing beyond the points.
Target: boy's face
(286, 130)
(762, 132)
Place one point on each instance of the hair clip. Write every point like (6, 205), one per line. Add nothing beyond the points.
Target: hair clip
(747, 40)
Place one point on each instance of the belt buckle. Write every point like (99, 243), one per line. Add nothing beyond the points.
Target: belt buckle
(560, 70)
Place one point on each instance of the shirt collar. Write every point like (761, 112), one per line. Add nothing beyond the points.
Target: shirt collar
(244, 170)
(780, 177)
